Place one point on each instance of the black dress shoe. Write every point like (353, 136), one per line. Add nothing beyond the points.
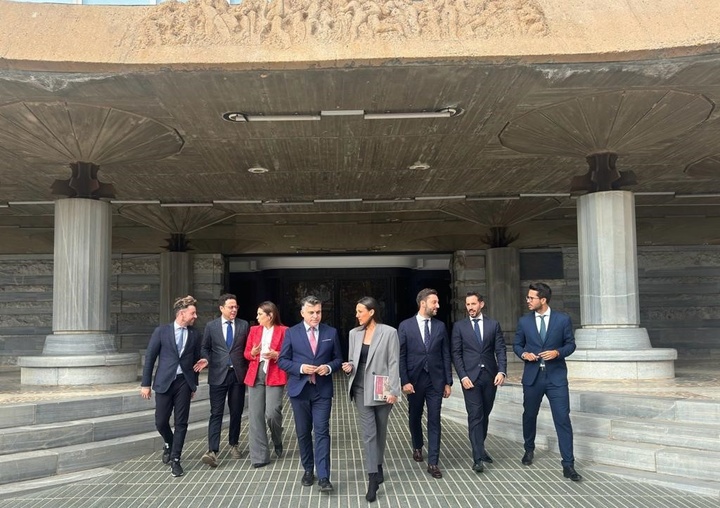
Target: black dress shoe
(434, 471)
(260, 464)
(569, 472)
(279, 450)
(478, 466)
(166, 455)
(308, 479)
(417, 455)
(372, 488)
(325, 485)
(176, 469)
(487, 458)
(528, 457)
(380, 474)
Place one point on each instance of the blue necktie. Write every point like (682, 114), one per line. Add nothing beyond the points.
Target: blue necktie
(229, 335)
(543, 330)
(427, 333)
(476, 328)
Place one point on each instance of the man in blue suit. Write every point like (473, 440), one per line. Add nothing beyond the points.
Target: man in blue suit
(425, 374)
(543, 339)
(480, 358)
(310, 353)
(176, 347)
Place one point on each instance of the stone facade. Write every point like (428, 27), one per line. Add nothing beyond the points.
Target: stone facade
(26, 299)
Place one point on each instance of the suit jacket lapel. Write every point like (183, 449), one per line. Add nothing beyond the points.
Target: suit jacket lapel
(373, 344)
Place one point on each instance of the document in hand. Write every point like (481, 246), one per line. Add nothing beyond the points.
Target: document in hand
(382, 388)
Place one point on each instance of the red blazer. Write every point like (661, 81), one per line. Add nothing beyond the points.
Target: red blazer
(275, 375)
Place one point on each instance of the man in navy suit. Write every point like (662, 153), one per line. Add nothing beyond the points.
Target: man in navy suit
(480, 358)
(310, 353)
(543, 339)
(223, 349)
(176, 347)
(425, 374)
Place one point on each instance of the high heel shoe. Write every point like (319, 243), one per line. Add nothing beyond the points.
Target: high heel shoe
(372, 487)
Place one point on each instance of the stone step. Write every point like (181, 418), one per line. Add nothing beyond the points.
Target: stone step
(691, 485)
(676, 434)
(96, 406)
(19, 467)
(53, 435)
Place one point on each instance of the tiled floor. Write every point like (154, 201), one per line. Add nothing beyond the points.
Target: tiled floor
(146, 482)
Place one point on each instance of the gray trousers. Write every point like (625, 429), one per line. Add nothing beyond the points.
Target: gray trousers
(265, 408)
(373, 426)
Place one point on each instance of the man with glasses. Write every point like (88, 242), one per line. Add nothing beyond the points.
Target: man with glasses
(543, 339)
(176, 347)
(223, 350)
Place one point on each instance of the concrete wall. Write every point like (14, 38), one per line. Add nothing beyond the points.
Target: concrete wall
(26, 299)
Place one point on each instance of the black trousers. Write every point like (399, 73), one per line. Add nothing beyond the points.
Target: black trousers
(177, 400)
(479, 402)
(234, 392)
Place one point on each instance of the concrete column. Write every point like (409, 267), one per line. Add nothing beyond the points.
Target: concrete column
(502, 266)
(468, 274)
(81, 349)
(176, 279)
(611, 337)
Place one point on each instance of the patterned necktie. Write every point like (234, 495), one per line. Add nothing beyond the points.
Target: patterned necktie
(229, 335)
(313, 340)
(543, 330)
(476, 328)
(427, 333)
(179, 339)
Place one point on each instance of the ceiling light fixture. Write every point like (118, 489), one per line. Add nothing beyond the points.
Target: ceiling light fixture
(546, 195)
(186, 205)
(342, 112)
(338, 200)
(657, 193)
(286, 203)
(282, 118)
(443, 113)
(384, 201)
(235, 117)
(237, 202)
(493, 198)
(19, 203)
(699, 196)
(433, 198)
(258, 170)
(417, 165)
(135, 202)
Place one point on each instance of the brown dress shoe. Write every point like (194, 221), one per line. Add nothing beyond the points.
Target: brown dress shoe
(434, 471)
(417, 455)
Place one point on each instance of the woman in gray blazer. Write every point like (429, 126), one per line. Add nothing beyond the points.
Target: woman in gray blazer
(374, 350)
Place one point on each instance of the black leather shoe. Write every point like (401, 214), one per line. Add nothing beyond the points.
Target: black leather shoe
(176, 469)
(325, 485)
(478, 466)
(417, 455)
(260, 464)
(380, 474)
(308, 479)
(528, 457)
(569, 472)
(434, 471)
(166, 454)
(372, 488)
(279, 450)
(487, 458)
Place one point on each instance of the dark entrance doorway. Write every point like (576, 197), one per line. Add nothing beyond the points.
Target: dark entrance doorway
(340, 289)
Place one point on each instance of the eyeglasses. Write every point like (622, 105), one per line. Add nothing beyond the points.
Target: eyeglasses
(530, 298)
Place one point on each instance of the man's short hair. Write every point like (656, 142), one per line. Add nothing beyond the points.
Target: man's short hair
(225, 297)
(423, 295)
(310, 301)
(475, 294)
(183, 303)
(543, 290)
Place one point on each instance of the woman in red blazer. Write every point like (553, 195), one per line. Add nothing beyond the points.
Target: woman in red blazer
(265, 381)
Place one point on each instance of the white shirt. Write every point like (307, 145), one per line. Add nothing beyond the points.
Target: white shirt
(480, 324)
(421, 323)
(267, 335)
(547, 319)
(176, 327)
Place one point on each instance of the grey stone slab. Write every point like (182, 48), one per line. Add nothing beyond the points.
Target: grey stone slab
(697, 411)
(640, 407)
(676, 434)
(638, 456)
(27, 465)
(67, 410)
(44, 437)
(13, 415)
(702, 465)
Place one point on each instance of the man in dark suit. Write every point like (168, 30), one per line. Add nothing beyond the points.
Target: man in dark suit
(425, 374)
(223, 350)
(176, 347)
(310, 353)
(480, 358)
(543, 339)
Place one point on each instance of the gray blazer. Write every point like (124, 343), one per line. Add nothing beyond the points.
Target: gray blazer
(383, 360)
(215, 351)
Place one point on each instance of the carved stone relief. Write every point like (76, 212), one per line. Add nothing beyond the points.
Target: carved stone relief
(284, 23)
